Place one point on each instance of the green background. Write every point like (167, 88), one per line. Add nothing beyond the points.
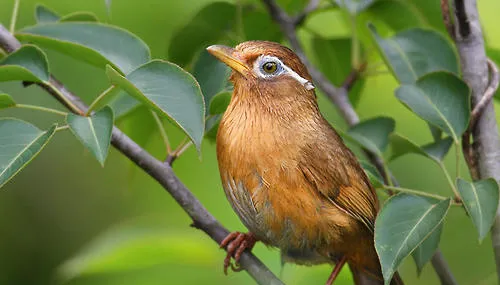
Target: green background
(63, 200)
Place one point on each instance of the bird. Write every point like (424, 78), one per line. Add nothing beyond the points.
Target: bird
(286, 172)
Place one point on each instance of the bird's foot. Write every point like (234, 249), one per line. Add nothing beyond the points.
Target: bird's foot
(336, 270)
(236, 244)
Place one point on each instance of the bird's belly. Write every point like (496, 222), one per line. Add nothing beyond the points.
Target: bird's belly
(295, 222)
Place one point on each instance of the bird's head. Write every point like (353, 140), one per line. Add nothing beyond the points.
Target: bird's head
(265, 69)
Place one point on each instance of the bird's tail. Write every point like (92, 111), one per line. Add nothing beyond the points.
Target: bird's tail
(361, 277)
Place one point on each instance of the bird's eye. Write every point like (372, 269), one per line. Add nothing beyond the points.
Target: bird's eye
(270, 67)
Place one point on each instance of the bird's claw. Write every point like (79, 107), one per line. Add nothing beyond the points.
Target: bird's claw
(236, 243)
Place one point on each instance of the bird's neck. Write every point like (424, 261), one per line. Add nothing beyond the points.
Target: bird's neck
(257, 118)
(281, 104)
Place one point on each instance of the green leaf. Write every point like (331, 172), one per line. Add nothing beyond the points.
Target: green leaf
(354, 7)
(45, 15)
(6, 101)
(21, 142)
(211, 74)
(373, 174)
(333, 58)
(480, 199)
(373, 134)
(170, 91)
(94, 43)
(430, 11)
(401, 145)
(441, 99)
(435, 132)
(80, 17)
(427, 248)
(211, 23)
(28, 63)
(212, 126)
(219, 103)
(94, 132)
(123, 104)
(408, 15)
(258, 25)
(435, 151)
(134, 247)
(402, 225)
(413, 53)
(438, 150)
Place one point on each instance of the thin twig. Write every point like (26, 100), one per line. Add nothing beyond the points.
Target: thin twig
(445, 11)
(159, 171)
(488, 94)
(469, 153)
(353, 76)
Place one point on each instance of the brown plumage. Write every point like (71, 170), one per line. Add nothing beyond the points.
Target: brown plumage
(285, 171)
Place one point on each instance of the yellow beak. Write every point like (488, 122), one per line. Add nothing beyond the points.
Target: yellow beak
(227, 55)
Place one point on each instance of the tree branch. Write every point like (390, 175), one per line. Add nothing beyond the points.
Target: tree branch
(161, 172)
(442, 269)
(339, 97)
(486, 147)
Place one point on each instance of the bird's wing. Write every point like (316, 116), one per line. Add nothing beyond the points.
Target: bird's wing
(334, 171)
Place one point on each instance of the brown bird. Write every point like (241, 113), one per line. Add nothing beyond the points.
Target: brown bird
(285, 170)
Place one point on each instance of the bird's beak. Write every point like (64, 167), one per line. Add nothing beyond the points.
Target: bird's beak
(227, 55)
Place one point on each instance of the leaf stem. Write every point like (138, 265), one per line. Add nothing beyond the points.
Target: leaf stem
(40, 108)
(457, 157)
(176, 151)
(62, 128)
(62, 98)
(97, 100)
(448, 178)
(387, 172)
(413, 192)
(183, 148)
(162, 130)
(172, 156)
(13, 19)
(355, 52)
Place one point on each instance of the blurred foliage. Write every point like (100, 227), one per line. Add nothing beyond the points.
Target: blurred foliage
(66, 219)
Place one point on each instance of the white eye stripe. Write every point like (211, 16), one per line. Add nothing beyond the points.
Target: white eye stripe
(295, 75)
(285, 69)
